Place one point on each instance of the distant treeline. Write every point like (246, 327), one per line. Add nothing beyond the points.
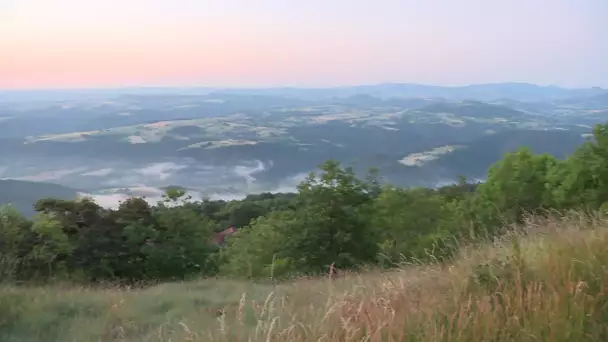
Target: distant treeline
(335, 218)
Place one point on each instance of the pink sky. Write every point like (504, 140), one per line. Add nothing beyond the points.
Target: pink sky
(107, 43)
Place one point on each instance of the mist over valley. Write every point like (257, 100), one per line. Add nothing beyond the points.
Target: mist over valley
(229, 143)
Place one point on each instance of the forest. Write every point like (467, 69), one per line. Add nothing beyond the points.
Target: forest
(335, 220)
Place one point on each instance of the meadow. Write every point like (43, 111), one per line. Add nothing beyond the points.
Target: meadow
(543, 282)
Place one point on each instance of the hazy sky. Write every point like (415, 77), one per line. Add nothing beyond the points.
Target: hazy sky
(100, 43)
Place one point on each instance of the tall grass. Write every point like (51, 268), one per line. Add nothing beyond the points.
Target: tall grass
(545, 283)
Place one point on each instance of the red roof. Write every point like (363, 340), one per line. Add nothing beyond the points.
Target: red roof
(220, 237)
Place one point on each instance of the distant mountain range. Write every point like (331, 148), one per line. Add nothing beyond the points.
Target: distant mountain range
(598, 100)
(482, 92)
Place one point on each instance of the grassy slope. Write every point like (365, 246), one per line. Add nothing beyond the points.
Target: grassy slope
(547, 286)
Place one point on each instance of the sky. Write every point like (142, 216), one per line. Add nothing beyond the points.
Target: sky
(308, 43)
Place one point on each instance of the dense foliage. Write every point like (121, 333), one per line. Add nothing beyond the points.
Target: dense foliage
(336, 218)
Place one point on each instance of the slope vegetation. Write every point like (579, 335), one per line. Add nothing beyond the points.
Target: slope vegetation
(546, 286)
(344, 259)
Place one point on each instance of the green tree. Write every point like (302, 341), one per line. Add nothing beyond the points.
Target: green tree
(13, 231)
(174, 194)
(330, 225)
(178, 245)
(53, 247)
(412, 223)
(458, 191)
(260, 250)
(333, 216)
(15, 242)
(515, 185)
(581, 181)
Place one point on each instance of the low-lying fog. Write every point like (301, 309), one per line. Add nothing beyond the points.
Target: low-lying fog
(109, 183)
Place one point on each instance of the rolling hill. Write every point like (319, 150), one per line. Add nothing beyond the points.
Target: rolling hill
(22, 195)
(240, 141)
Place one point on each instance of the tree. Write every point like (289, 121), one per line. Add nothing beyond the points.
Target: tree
(178, 244)
(261, 249)
(16, 239)
(173, 194)
(330, 225)
(333, 221)
(242, 212)
(515, 185)
(53, 247)
(458, 191)
(13, 231)
(581, 181)
(89, 228)
(412, 223)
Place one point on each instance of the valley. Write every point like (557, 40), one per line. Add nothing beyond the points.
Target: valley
(223, 143)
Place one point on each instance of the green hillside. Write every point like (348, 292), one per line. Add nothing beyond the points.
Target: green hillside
(373, 245)
(22, 195)
(345, 258)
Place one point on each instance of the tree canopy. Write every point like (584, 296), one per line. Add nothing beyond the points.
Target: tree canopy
(335, 219)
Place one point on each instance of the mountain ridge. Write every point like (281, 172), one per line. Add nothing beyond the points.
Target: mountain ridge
(483, 91)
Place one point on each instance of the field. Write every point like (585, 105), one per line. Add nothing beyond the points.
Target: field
(544, 284)
(274, 124)
(418, 159)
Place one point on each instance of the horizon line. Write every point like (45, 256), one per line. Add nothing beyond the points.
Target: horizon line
(201, 87)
